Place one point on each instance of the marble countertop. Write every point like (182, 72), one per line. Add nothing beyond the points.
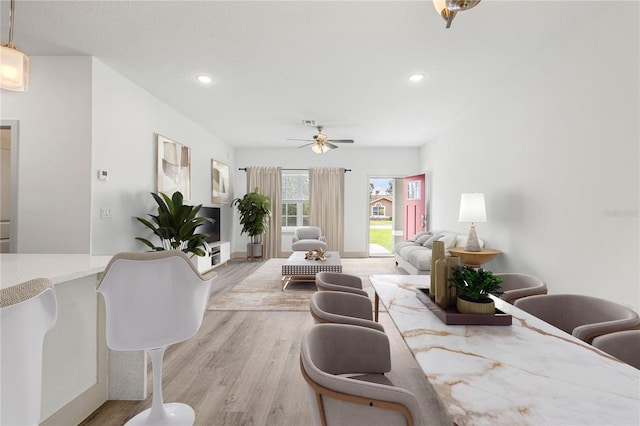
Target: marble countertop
(529, 373)
(18, 268)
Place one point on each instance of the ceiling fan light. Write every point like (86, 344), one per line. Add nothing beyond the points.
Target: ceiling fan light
(14, 69)
(319, 148)
(457, 5)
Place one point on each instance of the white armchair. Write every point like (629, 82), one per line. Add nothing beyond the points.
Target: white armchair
(308, 238)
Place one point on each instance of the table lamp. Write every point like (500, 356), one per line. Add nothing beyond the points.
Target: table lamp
(472, 210)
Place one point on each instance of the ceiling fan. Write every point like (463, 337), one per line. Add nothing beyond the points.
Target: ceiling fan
(321, 142)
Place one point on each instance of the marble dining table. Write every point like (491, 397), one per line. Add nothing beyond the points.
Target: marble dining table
(526, 373)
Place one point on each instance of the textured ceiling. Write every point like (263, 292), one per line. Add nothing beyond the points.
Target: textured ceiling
(344, 64)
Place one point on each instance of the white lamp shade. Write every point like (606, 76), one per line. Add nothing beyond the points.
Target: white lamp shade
(319, 148)
(472, 207)
(14, 69)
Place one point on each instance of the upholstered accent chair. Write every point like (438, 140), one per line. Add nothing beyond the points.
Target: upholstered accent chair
(338, 281)
(624, 345)
(343, 308)
(344, 366)
(585, 317)
(27, 312)
(154, 300)
(308, 238)
(516, 286)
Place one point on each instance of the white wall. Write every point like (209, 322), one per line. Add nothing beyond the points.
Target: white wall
(556, 154)
(363, 163)
(54, 155)
(125, 122)
(78, 117)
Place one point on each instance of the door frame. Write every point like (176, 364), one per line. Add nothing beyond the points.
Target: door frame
(13, 127)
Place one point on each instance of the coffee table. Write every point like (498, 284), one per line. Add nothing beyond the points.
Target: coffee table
(298, 269)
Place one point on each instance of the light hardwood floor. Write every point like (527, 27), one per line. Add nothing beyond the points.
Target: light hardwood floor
(242, 368)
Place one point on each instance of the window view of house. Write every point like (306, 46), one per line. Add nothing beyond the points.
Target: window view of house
(380, 216)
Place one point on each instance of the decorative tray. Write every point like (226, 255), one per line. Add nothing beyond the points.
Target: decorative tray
(451, 316)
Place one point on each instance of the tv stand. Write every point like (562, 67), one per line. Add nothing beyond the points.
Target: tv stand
(220, 254)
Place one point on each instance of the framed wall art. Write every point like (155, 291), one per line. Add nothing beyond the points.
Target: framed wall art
(220, 184)
(174, 167)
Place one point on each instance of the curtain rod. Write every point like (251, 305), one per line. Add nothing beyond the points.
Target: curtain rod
(245, 169)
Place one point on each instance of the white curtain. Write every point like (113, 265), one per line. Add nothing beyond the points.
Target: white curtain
(268, 180)
(326, 202)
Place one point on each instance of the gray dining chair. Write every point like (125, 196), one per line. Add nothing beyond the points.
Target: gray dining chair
(515, 286)
(343, 308)
(624, 345)
(585, 317)
(344, 367)
(337, 281)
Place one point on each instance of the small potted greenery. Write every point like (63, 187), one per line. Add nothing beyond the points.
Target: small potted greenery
(176, 225)
(254, 209)
(474, 287)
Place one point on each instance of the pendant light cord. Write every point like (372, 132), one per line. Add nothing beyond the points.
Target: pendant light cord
(11, 16)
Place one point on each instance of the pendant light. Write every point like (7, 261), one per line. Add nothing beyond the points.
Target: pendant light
(14, 65)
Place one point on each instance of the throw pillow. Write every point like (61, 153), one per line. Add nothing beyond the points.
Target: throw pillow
(449, 239)
(429, 243)
(420, 234)
(421, 240)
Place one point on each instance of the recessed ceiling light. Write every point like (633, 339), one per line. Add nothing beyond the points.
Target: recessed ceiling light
(205, 79)
(416, 77)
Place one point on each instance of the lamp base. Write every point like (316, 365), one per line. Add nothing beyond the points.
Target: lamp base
(472, 240)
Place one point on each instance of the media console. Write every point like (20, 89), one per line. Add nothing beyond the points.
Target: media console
(220, 253)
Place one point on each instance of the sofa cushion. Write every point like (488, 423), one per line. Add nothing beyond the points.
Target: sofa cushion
(421, 259)
(429, 243)
(421, 239)
(399, 246)
(419, 234)
(407, 251)
(449, 239)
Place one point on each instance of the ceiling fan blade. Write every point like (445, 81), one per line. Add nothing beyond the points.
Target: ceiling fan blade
(341, 141)
(303, 140)
(306, 144)
(330, 145)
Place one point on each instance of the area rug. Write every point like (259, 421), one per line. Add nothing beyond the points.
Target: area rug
(261, 291)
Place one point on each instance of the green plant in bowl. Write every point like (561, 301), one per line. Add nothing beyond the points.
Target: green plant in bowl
(475, 286)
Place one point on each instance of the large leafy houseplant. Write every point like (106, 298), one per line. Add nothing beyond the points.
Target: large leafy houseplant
(176, 224)
(474, 287)
(254, 209)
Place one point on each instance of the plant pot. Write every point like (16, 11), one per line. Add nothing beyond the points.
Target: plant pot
(468, 306)
(254, 250)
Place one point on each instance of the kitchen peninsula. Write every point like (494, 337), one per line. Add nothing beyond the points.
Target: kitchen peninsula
(75, 366)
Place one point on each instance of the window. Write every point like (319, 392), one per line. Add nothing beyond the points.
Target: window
(377, 210)
(295, 199)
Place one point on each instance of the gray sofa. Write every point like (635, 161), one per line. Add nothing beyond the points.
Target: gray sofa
(414, 255)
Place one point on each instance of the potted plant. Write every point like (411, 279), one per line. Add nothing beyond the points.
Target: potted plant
(254, 209)
(176, 225)
(474, 287)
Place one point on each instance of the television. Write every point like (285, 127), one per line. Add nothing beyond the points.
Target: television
(213, 229)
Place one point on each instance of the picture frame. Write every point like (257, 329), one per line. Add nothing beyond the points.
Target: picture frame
(220, 183)
(174, 167)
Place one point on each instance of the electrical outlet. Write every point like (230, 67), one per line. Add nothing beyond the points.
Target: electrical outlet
(105, 213)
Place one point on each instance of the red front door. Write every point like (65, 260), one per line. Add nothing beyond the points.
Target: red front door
(414, 205)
